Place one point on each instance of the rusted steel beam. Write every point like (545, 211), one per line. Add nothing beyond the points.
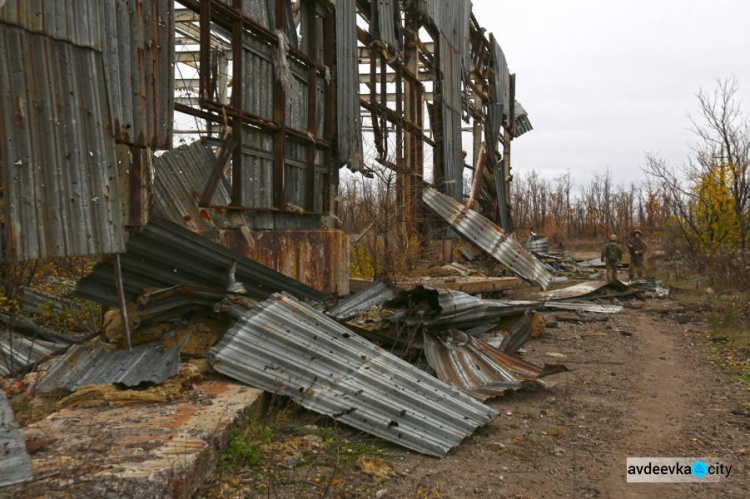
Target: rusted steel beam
(390, 115)
(237, 126)
(329, 108)
(204, 82)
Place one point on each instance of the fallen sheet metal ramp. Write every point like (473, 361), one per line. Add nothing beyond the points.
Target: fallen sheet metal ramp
(286, 347)
(488, 236)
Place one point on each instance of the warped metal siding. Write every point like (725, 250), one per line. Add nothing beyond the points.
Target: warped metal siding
(165, 254)
(85, 365)
(286, 347)
(348, 118)
(521, 124)
(488, 236)
(503, 209)
(502, 78)
(373, 295)
(452, 146)
(180, 176)
(478, 369)
(74, 21)
(138, 56)
(461, 310)
(15, 463)
(584, 307)
(385, 27)
(61, 188)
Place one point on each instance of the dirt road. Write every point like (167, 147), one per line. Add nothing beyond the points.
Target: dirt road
(640, 385)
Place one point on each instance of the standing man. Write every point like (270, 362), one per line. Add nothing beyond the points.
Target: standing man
(637, 249)
(611, 256)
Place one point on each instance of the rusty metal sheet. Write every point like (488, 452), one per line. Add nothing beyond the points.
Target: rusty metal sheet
(384, 26)
(347, 87)
(286, 347)
(18, 351)
(538, 244)
(15, 463)
(488, 236)
(61, 182)
(478, 369)
(164, 254)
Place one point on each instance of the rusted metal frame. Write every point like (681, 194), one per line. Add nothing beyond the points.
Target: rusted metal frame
(329, 108)
(377, 134)
(218, 171)
(364, 37)
(312, 101)
(390, 115)
(279, 116)
(204, 77)
(135, 187)
(224, 15)
(237, 126)
(436, 122)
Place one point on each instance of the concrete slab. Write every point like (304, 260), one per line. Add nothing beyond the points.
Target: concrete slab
(138, 450)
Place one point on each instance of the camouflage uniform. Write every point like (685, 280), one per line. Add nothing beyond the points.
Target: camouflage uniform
(611, 256)
(637, 249)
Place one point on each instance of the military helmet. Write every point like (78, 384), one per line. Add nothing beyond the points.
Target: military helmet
(613, 237)
(637, 231)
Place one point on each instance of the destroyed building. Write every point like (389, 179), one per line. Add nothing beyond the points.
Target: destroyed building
(194, 147)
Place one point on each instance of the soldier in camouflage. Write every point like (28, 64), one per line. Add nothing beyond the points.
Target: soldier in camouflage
(637, 249)
(611, 256)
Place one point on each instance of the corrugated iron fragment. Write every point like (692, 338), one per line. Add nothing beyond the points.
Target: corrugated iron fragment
(384, 27)
(488, 236)
(374, 295)
(588, 290)
(584, 307)
(478, 369)
(538, 244)
(518, 335)
(164, 254)
(96, 365)
(521, 122)
(15, 463)
(176, 302)
(61, 187)
(286, 347)
(18, 352)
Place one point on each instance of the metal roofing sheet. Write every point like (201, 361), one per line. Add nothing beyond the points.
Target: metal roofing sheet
(347, 86)
(373, 295)
(85, 365)
(519, 334)
(15, 463)
(18, 351)
(477, 368)
(164, 254)
(61, 182)
(461, 310)
(538, 244)
(286, 347)
(575, 291)
(501, 83)
(488, 236)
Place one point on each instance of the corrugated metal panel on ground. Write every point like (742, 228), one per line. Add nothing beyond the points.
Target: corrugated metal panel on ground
(84, 365)
(460, 310)
(61, 188)
(18, 351)
(488, 236)
(286, 347)
(575, 291)
(374, 295)
(538, 244)
(584, 307)
(165, 254)
(15, 463)
(347, 87)
(478, 369)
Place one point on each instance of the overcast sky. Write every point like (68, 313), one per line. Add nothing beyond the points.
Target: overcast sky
(606, 81)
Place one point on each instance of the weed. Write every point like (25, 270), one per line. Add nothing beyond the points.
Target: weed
(244, 448)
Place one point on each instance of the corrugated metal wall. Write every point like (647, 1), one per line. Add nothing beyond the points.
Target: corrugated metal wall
(61, 190)
(347, 84)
